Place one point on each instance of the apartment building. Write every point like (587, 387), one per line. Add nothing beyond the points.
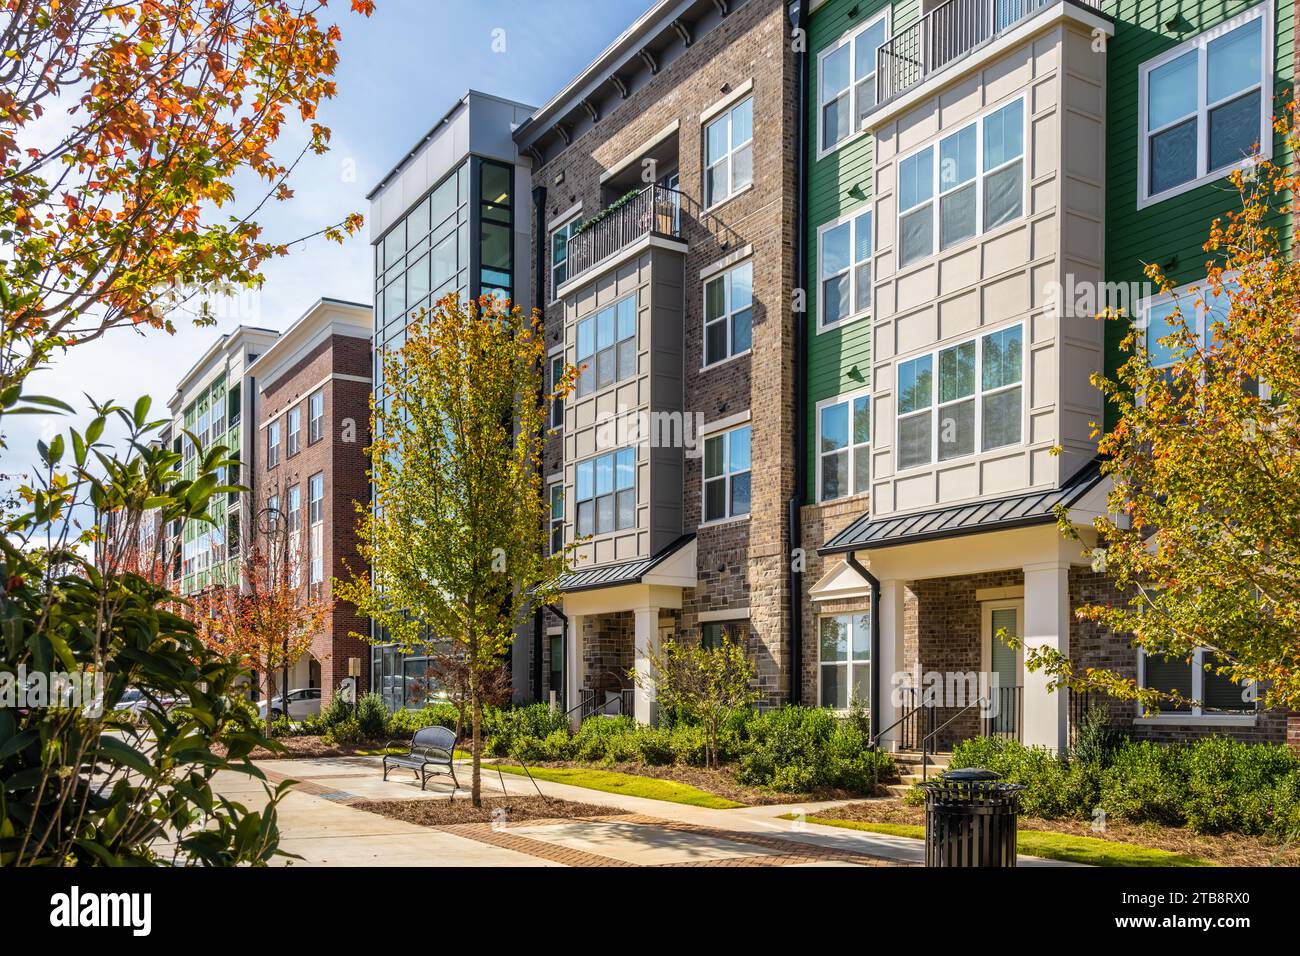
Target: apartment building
(212, 403)
(452, 216)
(663, 185)
(309, 471)
(972, 164)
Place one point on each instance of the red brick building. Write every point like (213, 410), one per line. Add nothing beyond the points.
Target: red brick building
(313, 419)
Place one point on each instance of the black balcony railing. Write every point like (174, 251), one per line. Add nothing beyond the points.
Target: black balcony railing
(654, 211)
(945, 34)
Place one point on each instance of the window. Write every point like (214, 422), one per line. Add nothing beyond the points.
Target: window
(316, 524)
(726, 474)
(557, 665)
(560, 252)
(294, 432)
(606, 492)
(977, 174)
(728, 313)
(273, 444)
(977, 404)
(1205, 105)
(1189, 678)
(316, 416)
(233, 405)
(847, 82)
(557, 518)
(844, 660)
(607, 346)
(843, 446)
(557, 403)
(293, 522)
(713, 633)
(844, 270)
(729, 153)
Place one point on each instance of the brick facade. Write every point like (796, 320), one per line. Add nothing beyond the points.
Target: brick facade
(340, 366)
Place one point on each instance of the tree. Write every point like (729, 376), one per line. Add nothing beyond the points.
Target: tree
(702, 684)
(456, 539)
(122, 129)
(83, 785)
(268, 619)
(1204, 533)
(449, 672)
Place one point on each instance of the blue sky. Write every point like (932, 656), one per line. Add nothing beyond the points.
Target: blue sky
(399, 72)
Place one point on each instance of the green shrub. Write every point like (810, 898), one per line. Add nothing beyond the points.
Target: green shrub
(1096, 739)
(403, 723)
(654, 746)
(690, 745)
(605, 739)
(372, 715)
(797, 749)
(346, 733)
(338, 712)
(510, 727)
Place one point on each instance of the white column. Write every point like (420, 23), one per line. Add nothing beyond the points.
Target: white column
(1047, 625)
(646, 644)
(572, 666)
(892, 660)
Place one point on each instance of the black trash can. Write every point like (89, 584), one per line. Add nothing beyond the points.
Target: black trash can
(970, 819)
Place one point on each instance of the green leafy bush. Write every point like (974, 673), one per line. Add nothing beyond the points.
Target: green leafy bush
(372, 715)
(403, 723)
(1096, 739)
(797, 749)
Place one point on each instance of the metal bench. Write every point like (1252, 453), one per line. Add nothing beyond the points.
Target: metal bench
(430, 751)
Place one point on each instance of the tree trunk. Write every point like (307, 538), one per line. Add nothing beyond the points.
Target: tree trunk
(270, 697)
(476, 793)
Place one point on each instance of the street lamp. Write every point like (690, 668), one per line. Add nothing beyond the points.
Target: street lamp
(270, 521)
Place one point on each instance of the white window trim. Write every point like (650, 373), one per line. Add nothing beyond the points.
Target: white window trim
(551, 230)
(724, 115)
(851, 219)
(726, 476)
(848, 397)
(726, 317)
(550, 517)
(976, 396)
(847, 663)
(1197, 714)
(598, 389)
(987, 636)
(981, 174)
(849, 37)
(555, 352)
(1201, 43)
(315, 530)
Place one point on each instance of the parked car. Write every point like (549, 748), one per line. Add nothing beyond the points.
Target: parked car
(304, 702)
(134, 702)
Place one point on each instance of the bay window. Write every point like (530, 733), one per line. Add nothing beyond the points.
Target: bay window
(843, 446)
(605, 492)
(974, 402)
(1204, 106)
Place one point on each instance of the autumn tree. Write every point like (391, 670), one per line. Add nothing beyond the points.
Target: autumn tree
(1203, 539)
(457, 539)
(268, 619)
(703, 684)
(122, 129)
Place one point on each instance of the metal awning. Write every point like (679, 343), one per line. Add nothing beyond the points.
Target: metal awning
(999, 514)
(613, 575)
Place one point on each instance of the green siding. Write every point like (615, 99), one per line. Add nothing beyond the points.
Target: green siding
(839, 360)
(1173, 231)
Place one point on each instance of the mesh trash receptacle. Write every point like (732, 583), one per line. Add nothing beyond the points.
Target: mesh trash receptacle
(970, 819)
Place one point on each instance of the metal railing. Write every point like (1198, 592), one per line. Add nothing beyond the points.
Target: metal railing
(945, 34)
(1007, 721)
(655, 210)
(1080, 704)
(593, 703)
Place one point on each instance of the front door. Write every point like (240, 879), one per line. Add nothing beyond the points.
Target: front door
(1004, 666)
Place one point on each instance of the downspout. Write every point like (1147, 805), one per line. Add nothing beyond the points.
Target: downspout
(851, 560)
(799, 20)
(539, 297)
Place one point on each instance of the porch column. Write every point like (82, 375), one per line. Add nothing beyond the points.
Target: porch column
(572, 666)
(1047, 624)
(892, 661)
(646, 643)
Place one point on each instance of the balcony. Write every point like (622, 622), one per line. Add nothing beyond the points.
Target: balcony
(654, 211)
(945, 35)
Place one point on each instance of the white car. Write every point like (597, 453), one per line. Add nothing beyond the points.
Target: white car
(304, 702)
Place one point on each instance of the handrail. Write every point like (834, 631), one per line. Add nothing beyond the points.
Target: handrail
(655, 210)
(925, 741)
(874, 742)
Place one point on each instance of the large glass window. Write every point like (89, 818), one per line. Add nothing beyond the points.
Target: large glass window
(844, 660)
(726, 474)
(844, 256)
(316, 524)
(843, 446)
(496, 250)
(293, 523)
(976, 403)
(560, 252)
(847, 82)
(729, 153)
(1205, 105)
(1194, 679)
(605, 492)
(977, 174)
(606, 349)
(729, 313)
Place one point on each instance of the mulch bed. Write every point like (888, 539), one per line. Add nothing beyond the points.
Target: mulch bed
(313, 746)
(1228, 849)
(442, 813)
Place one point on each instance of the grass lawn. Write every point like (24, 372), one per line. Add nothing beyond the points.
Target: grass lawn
(1051, 846)
(632, 785)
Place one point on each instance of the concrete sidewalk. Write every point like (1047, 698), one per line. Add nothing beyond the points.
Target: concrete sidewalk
(319, 823)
